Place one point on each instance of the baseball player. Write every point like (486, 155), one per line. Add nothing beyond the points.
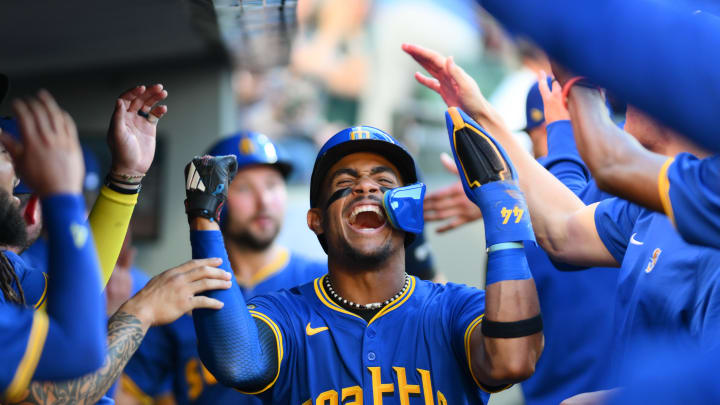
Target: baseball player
(575, 304)
(368, 332)
(575, 313)
(250, 222)
(667, 289)
(673, 176)
(132, 141)
(163, 300)
(35, 344)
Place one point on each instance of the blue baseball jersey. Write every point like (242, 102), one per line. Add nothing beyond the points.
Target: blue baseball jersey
(36, 255)
(670, 375)
(690, 193)
(168, 360)
(33, 282)
(577, 306)
(22, 337)
(666, 287)
(413, 351)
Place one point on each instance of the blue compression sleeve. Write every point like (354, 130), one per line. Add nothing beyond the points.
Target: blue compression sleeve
(75, 343)
(655, 55)
(229, 342)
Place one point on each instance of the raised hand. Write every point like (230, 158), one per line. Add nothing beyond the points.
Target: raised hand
(49, 157)
(175, 292)
(553, 102)
(450, 203)
(449, 80)
(132, 133)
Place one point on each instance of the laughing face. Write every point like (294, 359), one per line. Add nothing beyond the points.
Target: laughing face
(351, 214)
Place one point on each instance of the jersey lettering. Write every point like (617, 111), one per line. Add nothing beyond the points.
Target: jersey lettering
(194, 379)
(329, 397)
(356, 392)
(405, 389)
(354, 395)
(197, 377)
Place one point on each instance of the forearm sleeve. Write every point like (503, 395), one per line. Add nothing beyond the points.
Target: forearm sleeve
(75, 343)
(237, 352)
(109, 220)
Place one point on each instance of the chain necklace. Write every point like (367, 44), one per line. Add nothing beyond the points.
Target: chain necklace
(372, 305)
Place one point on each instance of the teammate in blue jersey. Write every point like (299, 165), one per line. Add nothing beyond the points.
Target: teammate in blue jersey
(164, 299)
(367, 331)
(679, 182)
(35, 344)
(250, 221)
(666, 288)
(577, 322)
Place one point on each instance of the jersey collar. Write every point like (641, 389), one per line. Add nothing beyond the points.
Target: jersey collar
(276, 265)
(328, 302)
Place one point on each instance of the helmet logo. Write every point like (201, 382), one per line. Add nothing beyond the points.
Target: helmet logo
(536, 115)
(359, 134)
(246, 146)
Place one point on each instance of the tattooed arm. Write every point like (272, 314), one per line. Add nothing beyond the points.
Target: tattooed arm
(125, 332)
(164, 299)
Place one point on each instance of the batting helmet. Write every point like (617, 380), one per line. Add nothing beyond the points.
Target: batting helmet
(403, 205)
(251, 148)
(360, 139)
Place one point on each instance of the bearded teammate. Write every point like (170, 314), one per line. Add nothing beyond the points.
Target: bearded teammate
(250, 223)
(35, 344)
(367, 329)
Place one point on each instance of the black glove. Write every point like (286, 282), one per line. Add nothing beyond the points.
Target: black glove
(206, 184)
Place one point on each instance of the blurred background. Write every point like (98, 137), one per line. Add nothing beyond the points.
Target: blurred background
(298, 71)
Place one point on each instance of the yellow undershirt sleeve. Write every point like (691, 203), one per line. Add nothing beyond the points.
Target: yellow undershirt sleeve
(109, 220)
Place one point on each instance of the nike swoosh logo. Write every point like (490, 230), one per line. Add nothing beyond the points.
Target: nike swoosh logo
(635, 241)
(314, 331)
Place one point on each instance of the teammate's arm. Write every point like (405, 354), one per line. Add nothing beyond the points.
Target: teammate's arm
(563, 225)
(617, 162)
(609, 42)
(507, 346)
(132, 139)
(238, 349)
(563, 160)
(50, 161)
(165, 298)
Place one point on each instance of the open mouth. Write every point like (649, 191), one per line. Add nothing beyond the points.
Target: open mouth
(367, 217)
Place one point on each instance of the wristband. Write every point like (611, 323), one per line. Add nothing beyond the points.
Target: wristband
(505, 213)
(112, 185)
(505, 330)
(508, 264)
(123, 182)
(580, 81)
(128, 177)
